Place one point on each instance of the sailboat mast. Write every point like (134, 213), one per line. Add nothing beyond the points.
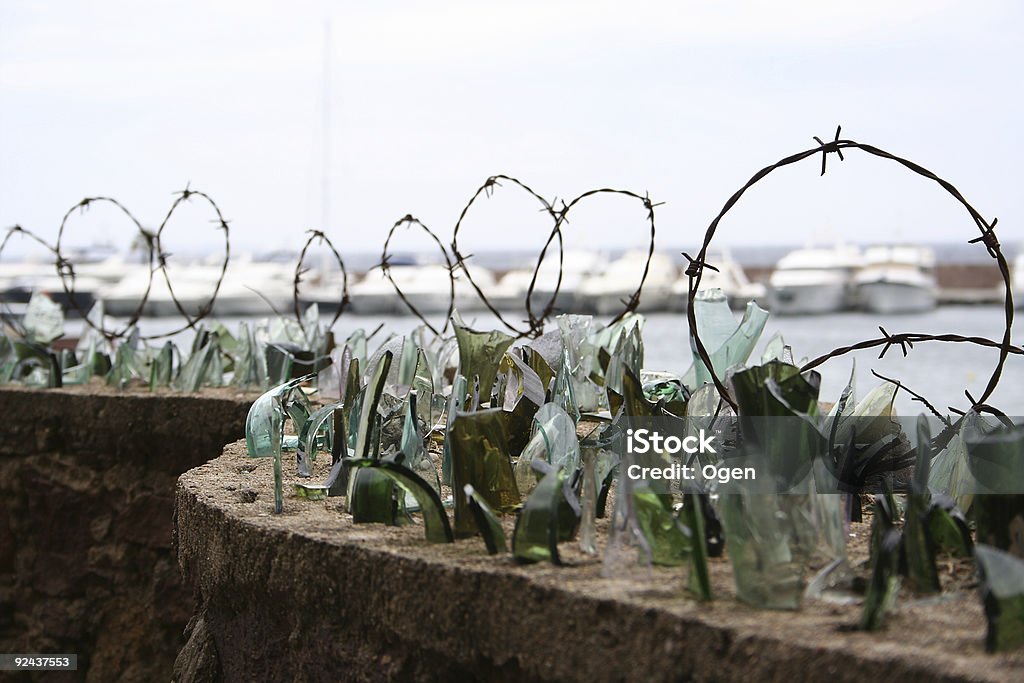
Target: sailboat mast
(325, 207)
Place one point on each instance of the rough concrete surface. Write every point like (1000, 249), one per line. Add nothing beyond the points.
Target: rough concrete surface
(307, 595)
(87, 478)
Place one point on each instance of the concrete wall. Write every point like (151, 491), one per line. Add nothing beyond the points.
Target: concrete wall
(87, 480)
(307, 595)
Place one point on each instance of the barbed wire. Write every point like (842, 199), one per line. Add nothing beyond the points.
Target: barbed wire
(343, 299)
(905, 341)
(560, 217)
(385, 265)
(156, 259)
(454, 260)
(487, 189)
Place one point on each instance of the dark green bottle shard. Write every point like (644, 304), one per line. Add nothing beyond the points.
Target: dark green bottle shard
(535, 538)
(486, 521)
(435, 520)
(479, 455)
(1002, 592)
(479, 355)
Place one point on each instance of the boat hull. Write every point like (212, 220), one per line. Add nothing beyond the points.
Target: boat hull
(894, 297)
(809, 299)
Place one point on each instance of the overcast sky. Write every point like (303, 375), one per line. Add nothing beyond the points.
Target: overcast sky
(684, 100)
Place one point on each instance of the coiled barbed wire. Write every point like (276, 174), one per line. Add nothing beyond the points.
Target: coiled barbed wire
(905, 341)
(343, 299)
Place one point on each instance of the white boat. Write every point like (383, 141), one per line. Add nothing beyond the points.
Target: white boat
(605, 293)
(253, 288)
(248, 288)
(429, 289)
(21, 280)
(373, 293)
(510, 291)
(323, 288)
(896, 279)
(730, 278)
(814, 280)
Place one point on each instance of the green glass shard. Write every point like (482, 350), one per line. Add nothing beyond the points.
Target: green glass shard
(950, 473)
(579, 363)
(128, 365)
(773, 349)
(373, 497)
(315, 433)
(456, 404)
(563, 390)
(553, 441)
(416, 458)
(539, 365)
(627, 548)
(8, 359)
(839, 422)
(884, 583)
(311, 326)
(264, 430)
(995, 463)
(522, 382)
(368, 409)
(351, 390)
(788, 448)
(479, 456)
(280, 362)
(162, 367)
(487, 523)
(337, 480)
(358, 345)
(330, 380)
(196, 369)
(423, 385)
(393, 346)
(635, 401)
(1002, 592)
(588, 500)
(250, 363)
(215, 368)
(44, 319)
(519, 423)
(480, 353)
(666, 390)
(997, 458)
(535, 538)
(667, 538)
(407, 363)
(768, 546)
(692, 517)
(919, 548)
(435, 520)
(728, 343)
(947, 526)
(704, 402)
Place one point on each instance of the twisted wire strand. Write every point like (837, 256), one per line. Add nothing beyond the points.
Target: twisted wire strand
(343, 300)
(409, 221)
(905, 340)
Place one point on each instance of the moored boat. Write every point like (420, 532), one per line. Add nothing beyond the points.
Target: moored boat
(896, 279)
(605, 293)
(814, 280)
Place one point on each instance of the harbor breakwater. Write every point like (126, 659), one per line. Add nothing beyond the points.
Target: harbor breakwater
(87, 478)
